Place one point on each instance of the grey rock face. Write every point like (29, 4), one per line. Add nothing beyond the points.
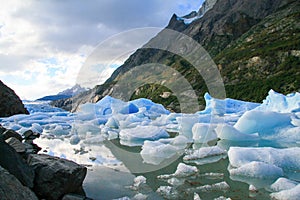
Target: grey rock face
(11, 133)
(12, 189)
(13, 162)
(55, 177)
(10, 103)
(16, 144)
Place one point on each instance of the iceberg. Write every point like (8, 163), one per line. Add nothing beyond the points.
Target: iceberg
(256, 169)
(277, 102)
(262, 122)
(203, 133)
(221, 186)
(155, 152)
(142, 133)
(205, 152)
(168, 192)
(283, 184)
(293, 193)
(182, 170)
(229, 106)
(288, 159)
(186, 123)
(227, 132)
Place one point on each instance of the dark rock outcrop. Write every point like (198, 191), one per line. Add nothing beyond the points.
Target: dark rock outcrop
(55, 177)
(12, 189)
(11, 133)
(14, 164)
(16, 144)
(10, 103)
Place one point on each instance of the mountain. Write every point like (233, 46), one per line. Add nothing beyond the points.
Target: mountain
(254, 43)
(10, 103)
(75, 90)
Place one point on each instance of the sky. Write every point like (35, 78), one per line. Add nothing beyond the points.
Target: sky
(44, 44)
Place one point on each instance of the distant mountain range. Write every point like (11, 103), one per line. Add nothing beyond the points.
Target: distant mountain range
(75, 90)
(254, 43)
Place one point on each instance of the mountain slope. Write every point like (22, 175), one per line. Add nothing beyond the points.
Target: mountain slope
(255, 44)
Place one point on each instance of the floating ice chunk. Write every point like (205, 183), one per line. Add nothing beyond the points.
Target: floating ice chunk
(227, 132)
(154, 152)
(140, 196)
(131, 121)
(168, 192)
(218, 106)
(293, 193)
(142, 133)
(287, 159)
(295, 121)
(186, 123)
(176, 181)
(213, 175)
(86, 127)
(123, 198)
(112, 123)
(182, 170)
(205, 152)
(74, 139)
(283, 184)
(196, 196)
(124, 108)
(152, 109)
(138, 182)
(222, 198)
(262, 122)
(36, 128)
(203, 133)
(286, 135)
(252, 188)
(257, 170)
(280, 103)
(222, 186)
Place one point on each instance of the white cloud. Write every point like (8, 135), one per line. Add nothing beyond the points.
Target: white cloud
(43, 44)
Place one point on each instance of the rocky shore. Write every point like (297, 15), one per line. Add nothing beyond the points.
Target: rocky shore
(10, 103)
(24, 174)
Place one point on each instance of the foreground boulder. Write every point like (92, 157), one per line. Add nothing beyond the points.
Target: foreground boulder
(11, 188)
(14, 164)
(10, 103)
(55, 177)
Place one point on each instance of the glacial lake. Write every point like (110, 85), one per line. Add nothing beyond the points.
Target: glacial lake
(111, 183)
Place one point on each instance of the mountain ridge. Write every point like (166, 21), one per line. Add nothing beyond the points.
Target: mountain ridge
(65, 94)
(228, 24)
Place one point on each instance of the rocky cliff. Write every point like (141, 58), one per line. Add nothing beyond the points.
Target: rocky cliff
(254, 43)
(10, 103)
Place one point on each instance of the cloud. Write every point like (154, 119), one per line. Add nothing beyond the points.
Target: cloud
(33, 32)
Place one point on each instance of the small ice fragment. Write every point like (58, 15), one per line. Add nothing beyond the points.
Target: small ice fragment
(74, 140)
(293, 193)
(283, 184)
(196, 196)
(138, 181)
(205, 152)
(257, 170)
(182, 170)
(203, 133)
(252, 188)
